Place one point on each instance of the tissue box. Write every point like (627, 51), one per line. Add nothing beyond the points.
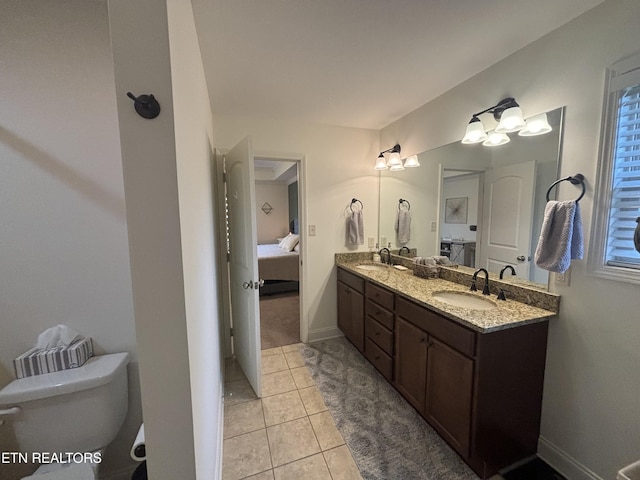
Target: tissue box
(37, 361)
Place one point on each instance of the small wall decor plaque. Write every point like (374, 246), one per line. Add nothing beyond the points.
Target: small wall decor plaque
(266, 208)
(456, 210)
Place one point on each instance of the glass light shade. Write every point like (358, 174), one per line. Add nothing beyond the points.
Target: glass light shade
(536, 125)
(475, 132)
(381, 163)
(396, 168)
(494, 139)
(411, 162)
(511, 121)
(394, 160)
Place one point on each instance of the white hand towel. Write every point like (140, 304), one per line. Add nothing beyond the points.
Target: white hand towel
(355, 226)
(561, 237)
(403, 226)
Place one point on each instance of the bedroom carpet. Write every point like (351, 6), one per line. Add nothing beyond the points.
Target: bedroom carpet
(279, 320)
(387, 437)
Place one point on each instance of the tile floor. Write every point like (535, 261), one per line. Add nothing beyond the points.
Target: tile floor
(288, 434)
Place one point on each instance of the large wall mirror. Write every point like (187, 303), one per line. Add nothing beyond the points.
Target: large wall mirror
(481, 206)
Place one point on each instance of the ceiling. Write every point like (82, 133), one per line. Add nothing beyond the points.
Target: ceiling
(358, 63)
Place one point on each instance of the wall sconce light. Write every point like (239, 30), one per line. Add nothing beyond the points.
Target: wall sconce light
(509, 117)
(395, 163)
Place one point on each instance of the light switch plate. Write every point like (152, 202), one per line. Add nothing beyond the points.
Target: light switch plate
(312, 230)
(371, 242)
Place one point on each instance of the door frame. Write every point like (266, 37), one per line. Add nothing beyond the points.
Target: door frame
(223, 274)
(479, 222)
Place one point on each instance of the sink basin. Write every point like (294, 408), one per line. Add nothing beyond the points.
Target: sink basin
(373, 268)
(464, 300)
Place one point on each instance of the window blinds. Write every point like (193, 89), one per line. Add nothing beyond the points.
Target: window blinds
(625, 198)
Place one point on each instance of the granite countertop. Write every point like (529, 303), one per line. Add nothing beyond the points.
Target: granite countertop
(506, 314)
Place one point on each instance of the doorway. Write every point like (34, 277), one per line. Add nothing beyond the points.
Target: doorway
(277, 188)
(296, 190)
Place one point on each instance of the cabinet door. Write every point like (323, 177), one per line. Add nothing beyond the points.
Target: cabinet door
(449, 391)
(411, 362)
(351, 314)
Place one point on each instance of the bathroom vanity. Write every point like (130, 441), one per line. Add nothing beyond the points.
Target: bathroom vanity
(476, 376)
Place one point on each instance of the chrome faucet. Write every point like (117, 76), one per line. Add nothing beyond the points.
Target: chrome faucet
(485, 289)
(385, 249)
(403, 249)
(513, 270)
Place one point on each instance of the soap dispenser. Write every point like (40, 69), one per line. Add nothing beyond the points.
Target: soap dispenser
(376, 255)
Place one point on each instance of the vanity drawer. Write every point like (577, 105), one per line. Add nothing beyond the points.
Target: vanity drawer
(352, 280)
(379, 359)
(380, 335)
(446, 330)
(380, 295)
(382, 315)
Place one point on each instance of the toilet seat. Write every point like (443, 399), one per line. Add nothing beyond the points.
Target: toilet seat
(72, 471)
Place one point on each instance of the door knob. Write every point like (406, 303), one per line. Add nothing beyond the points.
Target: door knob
(521, 258)
(258, 284)
(248, 284)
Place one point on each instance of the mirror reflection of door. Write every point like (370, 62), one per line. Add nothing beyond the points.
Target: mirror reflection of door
(508, 205)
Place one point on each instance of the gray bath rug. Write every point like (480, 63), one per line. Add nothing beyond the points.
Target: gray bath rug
(387, 437)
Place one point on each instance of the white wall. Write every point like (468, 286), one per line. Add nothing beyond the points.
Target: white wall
(590, 424)
(276, 224)
(337, 165)
(162, 295)
(63, 234)
(195, 160)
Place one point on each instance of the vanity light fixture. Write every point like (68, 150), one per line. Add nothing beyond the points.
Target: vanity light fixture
(495, 139)
(508, 114)
(395, 163)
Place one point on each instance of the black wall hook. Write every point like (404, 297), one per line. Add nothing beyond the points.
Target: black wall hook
(146, 105)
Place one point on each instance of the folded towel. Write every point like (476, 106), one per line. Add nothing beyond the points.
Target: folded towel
(403, 226)
(561, 238)
(356, 228)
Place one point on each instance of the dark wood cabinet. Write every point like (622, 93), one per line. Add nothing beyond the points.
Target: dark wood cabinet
(482, 392)
(411, 363)
(449, 394)
(351, 308)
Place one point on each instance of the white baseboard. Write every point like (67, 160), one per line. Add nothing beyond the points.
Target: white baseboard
(324, 334)
(564, 463)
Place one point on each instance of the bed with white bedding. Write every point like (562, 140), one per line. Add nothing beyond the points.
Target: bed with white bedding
(274, 263)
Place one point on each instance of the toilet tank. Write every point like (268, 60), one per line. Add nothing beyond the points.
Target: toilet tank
(76, 410)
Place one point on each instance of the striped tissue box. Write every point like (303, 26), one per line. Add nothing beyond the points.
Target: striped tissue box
(37, 361)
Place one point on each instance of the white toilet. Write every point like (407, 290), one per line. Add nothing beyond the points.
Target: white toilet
(77, 411)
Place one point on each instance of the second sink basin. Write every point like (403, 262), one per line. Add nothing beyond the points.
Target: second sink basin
(373, 268)
(464, 300)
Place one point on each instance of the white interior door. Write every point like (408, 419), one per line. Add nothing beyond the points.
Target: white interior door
(507, 212)
(243, 262)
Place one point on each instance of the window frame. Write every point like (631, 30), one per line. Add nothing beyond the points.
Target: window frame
(620, 75)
